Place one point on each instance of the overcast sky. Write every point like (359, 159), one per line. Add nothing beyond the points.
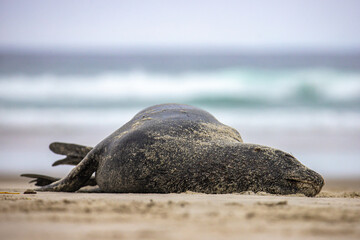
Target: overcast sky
(262, 24)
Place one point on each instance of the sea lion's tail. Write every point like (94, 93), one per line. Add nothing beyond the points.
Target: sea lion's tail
(74, 153)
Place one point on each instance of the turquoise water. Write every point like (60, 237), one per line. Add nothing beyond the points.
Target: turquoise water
(249, 81)
(324, 94)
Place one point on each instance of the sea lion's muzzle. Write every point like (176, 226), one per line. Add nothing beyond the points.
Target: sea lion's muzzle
(309, 183)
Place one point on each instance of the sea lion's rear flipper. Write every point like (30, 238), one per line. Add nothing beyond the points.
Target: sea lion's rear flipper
(43, 180)
(74, 152)
(77, 178)
(40, 180)
(69, 160)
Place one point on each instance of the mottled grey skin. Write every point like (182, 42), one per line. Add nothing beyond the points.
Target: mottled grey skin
(175, 148)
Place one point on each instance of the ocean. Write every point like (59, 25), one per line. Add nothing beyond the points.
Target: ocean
(307, 104)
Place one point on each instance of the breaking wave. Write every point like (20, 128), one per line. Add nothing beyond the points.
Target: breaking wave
(225, 88)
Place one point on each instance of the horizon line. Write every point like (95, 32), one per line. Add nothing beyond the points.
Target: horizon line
(188, 50)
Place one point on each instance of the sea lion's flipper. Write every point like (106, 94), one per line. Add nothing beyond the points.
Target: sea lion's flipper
(74, 152)
(40, 180)
(43, 180)
(77, 178)
(69, 160)
(69, 149)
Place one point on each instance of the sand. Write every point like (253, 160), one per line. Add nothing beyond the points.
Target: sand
(333, 214)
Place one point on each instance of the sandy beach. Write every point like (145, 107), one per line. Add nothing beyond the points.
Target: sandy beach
(333, 214)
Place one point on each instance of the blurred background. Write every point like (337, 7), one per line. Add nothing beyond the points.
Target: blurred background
(283, 73)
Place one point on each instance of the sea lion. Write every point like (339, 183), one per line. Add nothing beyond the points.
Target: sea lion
(172, 148)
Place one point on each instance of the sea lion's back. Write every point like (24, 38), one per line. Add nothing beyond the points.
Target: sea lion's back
(174, 112)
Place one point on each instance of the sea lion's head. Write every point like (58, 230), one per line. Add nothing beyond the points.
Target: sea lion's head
(278, 172)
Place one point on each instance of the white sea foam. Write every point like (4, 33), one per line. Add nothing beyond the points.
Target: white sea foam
(266, 87)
